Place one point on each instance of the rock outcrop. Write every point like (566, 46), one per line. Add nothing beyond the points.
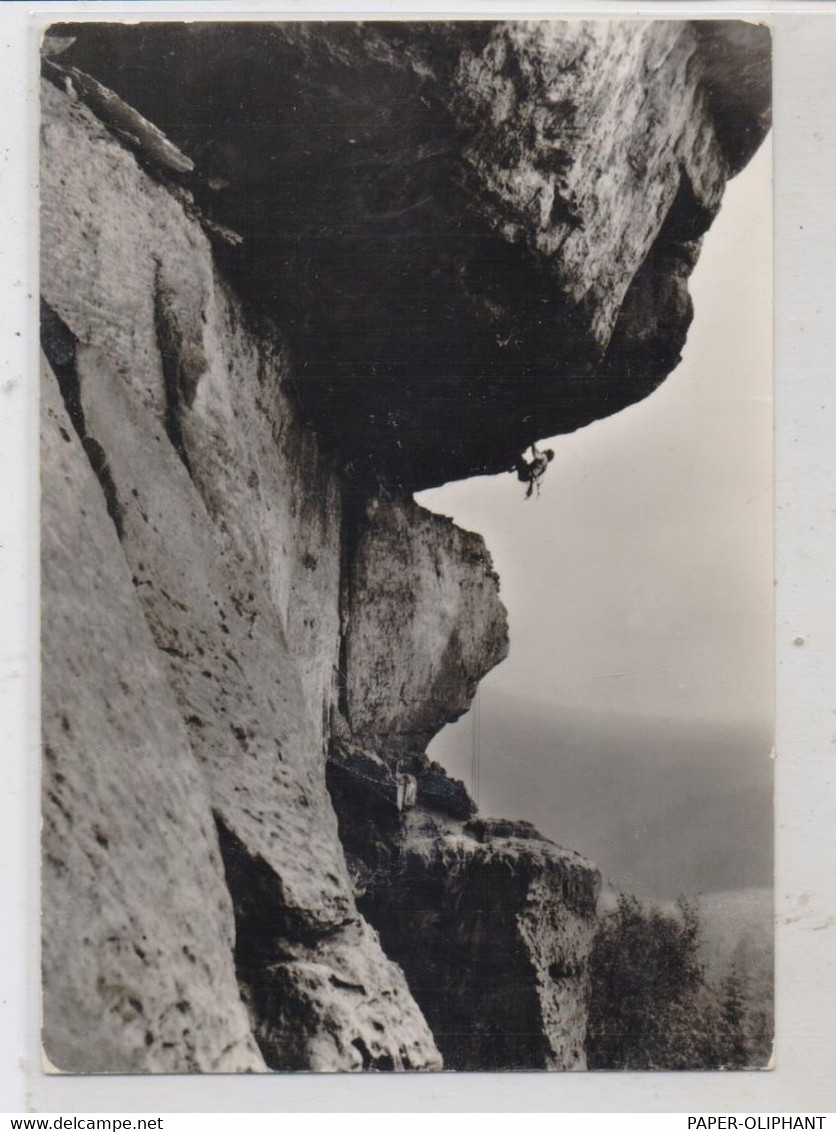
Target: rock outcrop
(491, 923)
(493, 933)
(301, 271)
(423, 623)
(486, 234)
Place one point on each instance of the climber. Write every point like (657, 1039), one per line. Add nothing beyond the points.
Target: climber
(532, 471)
(406, 786)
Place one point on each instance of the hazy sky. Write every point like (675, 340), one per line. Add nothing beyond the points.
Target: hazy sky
(641, 579)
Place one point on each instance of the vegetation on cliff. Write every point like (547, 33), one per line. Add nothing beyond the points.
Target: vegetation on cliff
(653, 1003)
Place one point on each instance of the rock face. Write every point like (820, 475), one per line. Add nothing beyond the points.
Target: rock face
(459, 252)
(491, 923)
(228, 520)
(424, 622)
(138, 970)
(456, 239)
(493, 933)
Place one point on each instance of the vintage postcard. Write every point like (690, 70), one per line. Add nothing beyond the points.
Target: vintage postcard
(407, 631)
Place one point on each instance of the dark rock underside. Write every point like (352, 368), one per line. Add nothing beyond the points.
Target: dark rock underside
(467, 239)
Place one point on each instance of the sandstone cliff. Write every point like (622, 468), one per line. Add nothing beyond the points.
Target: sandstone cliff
(229, 523)
(302, 271)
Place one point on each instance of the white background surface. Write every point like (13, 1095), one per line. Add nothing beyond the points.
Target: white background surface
(805, 274)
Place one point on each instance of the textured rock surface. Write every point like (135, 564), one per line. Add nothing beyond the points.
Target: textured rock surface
(491, 923)
(341, 1009)
(228, 518)
(494, 938)
(424, 622)
(458, 250)
(138, 925)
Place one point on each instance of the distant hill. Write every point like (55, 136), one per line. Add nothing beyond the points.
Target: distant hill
(663, 806)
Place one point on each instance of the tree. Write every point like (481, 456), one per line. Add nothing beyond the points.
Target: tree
(746, 998)
(650, 1005)
(734, 1000)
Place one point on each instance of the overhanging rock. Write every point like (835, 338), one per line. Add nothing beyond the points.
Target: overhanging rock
(423, 623)
(456, 225)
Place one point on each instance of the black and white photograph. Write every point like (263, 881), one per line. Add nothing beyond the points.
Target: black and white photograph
(407, 632)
